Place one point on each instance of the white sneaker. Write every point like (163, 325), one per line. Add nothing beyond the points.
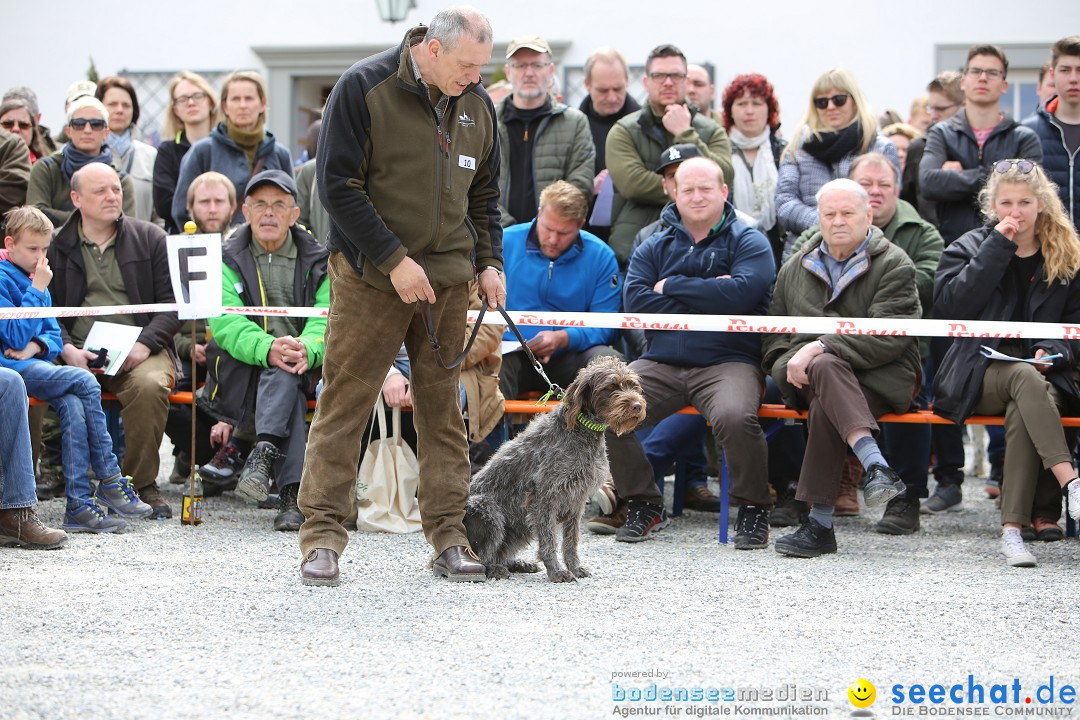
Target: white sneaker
(1073, 499)
(1012, 547)
(604, 496)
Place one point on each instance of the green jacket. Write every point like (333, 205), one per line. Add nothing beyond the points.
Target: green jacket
(878, 283)
(396, 182)
(634, 146)
(50, 192)
(562, 150)
(923, 244)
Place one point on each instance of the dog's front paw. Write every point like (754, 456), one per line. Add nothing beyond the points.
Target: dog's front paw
(582, 572)
(561, 576)
(498, 572)
(520, 566)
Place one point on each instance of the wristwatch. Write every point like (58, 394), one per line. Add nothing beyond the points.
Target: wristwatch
(824, 348)
(491, 267)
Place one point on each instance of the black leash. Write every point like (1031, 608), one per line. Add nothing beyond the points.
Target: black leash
(553, 389)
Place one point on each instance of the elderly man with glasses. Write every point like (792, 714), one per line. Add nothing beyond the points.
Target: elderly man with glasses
(543, 140)
(635, 143)
(261, 370)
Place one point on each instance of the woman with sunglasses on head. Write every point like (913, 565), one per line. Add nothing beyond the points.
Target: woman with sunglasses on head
(193, 112)
(16, 118)
(131, 156)
(50, 178)
(1021, 267)
(838, 126)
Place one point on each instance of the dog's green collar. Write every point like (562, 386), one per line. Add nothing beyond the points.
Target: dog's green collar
(590, 424)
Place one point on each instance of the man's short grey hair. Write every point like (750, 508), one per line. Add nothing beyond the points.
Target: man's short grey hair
(449, 25)
(76, 177)
(844, 185)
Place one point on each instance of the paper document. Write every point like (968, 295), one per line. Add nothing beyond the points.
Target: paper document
(116, 338)
(995, 355)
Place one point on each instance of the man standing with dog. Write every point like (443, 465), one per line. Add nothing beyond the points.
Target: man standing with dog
(407, 224)
(705, 261)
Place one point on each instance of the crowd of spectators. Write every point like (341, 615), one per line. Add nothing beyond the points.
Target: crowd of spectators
(694, 202)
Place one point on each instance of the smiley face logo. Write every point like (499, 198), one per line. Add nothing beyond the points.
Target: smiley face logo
(862, 693)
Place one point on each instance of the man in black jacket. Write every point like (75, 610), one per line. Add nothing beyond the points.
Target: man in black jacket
(102, 257)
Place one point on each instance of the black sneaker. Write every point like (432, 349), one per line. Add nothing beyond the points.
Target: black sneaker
(788, 512)
(811, 540)
(881, 484)
(254, 484)
(225, 466)
(641, 519)
(946, 498)
(751, 527)
(289, 517)
(901, 516)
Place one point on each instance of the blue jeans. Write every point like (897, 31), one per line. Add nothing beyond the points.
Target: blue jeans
(16, 457)
(76, 396)
(677, 437)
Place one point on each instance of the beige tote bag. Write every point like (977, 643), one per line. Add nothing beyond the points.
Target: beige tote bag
(388, 478)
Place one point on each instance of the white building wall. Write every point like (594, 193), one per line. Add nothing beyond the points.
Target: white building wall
(890, 47)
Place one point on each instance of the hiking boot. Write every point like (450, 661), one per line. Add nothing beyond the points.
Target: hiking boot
(946, 498)
(181, 468)
(151, 495)
(605, 497)
(20, 527)
(289, 517)
(50, 485)
(788, 512)
(847, 501)
(610, 523)
(901, 516)
(1012, 548)
(92, 518)
(993, 483)
(751, 527)
(254, 484)
(881, 484)
(224, 468)
(1047, 530)
(810, 540)
(702, 499)
(120, 498)
(641, 519)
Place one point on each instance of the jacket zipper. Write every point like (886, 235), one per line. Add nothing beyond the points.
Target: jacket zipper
(551, 266)
(1072, 180)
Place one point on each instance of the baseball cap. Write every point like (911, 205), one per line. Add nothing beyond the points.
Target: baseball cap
(532, 42)
(78, 89)
(279, 178)
(676, 154)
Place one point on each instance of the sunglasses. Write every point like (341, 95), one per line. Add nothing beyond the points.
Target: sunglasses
(81, 123)
(12, 124)
(1024, 166)
(839, 100)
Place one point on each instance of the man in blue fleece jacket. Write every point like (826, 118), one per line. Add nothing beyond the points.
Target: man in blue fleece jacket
(551, 264)
(703, 261)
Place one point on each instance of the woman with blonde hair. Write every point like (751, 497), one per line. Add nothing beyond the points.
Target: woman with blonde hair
(1022, 266)
(193, 112)
(839, 125)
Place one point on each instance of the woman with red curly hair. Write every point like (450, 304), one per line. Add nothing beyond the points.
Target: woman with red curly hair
(752, 119)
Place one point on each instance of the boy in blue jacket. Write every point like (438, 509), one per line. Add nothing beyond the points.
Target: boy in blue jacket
(29, 347)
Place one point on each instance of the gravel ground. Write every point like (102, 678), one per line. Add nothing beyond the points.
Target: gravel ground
(170, 621)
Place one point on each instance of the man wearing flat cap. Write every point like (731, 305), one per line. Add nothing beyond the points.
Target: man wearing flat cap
(542, 139)
(261, 369)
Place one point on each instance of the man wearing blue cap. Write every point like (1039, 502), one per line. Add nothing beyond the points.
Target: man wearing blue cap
(262, 369)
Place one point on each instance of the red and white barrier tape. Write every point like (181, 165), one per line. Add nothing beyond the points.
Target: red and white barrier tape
(644, 321)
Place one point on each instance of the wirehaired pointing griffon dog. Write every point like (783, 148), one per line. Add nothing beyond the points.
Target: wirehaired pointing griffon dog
(537, 483)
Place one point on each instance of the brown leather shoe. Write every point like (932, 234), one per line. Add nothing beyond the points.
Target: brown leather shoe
(608, 524)
(459, 564)
(702, 499)
(320, 567)
(49, 485)
(847, 502)
(22, 528)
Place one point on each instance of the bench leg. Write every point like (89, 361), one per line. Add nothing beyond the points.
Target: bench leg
(725, 489)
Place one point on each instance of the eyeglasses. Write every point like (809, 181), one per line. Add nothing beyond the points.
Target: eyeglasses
(534, 66)
(662, 76)
(278, 206)
(81, 123)
(839, 100)
(192, 98)
(939, 108)
(1024, 166)
(12, 124)
(988, 72)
